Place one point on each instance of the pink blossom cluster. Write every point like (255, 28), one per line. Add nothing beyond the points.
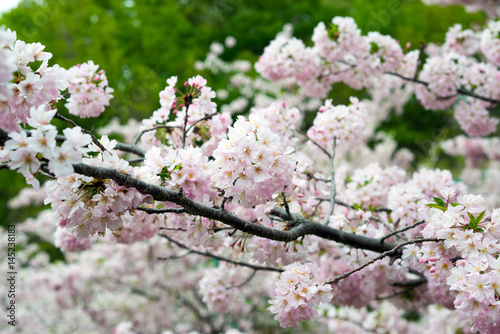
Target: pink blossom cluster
(367, 62)
(475, 119)
(296, 293)
(406, 199)
(340, 53)
(89, 90)
(183, 168)
(68, 242)
(490, 7)
(464, 42)
(468, 259)
(284, 121)
(203, 126)
(30, 88)
(219, 289)
(369, 186)
(252, 164)
(345, 124)
(8, 65)
(444, 75)
(21, 151)
(490, 42)
(88, 206)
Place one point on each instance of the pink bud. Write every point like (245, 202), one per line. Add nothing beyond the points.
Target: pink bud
(63, 222)
(283, 104)
(186, 84)
(432, 270)
(97, 78)
(421, 260)
(432, 259)
(408, 45)
(101, 72)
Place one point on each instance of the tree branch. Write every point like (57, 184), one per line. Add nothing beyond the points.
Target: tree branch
(304, 226)
(381, 256)
(244, 264)
(406, 228)
(157, 211)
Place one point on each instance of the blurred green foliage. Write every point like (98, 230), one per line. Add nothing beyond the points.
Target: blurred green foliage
(142, 43)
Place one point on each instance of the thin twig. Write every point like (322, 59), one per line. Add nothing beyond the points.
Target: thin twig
(403, 229)
(184, 130)
(285, 203)
(333, 187)
(206, 117)
(244, 264)
(314, 142)
(91, 133)
(381, 256)
(459, 90)
(245, 282)
(138, 137)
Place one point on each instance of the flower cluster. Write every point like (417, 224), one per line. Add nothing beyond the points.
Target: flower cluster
(23, 150)
(252, 164)
(88, 206)
(468, 258)
(463, 42)
(345, 124)
(490, 42)
(183, 168)
(297, 292)
(89, 90)
(474, 119)
(369, 186)
(8, 64)
(188, 118)
(219, 287)
(30, 88)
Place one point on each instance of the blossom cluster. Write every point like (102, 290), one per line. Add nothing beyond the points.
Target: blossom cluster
(342, 54)
(183, 168)
(27, 88)
(252, 164)
(22, 151)
(87, 206)
(88, 89)
(296, 293)
(188, 118)
(344, 124)
(468, 259)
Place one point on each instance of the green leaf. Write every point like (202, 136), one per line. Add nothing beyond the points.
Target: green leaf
(357, 206)
(472, 223)
(432, 205)
(159, 206)
(439, 201)
(333, 32)
(478, 218)
(455, 204)
(374, 47)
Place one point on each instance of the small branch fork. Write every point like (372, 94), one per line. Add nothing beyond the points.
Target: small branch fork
(403, 229)
(244, 264)
(381, 256)
(91, 133)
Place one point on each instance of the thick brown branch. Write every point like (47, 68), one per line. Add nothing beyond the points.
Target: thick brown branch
(303, 227)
